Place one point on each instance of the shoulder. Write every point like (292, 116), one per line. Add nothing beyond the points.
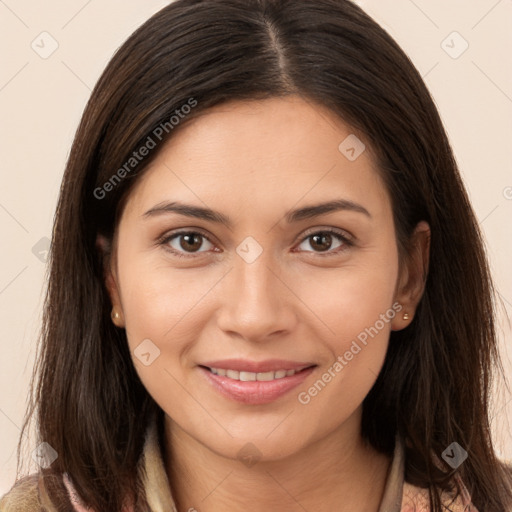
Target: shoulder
(31, 494)
(23, 496)
(416, 499)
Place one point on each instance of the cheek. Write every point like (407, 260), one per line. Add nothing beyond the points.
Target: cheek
(356, 307)
(352, 298)
(157, 300)
(164, 311)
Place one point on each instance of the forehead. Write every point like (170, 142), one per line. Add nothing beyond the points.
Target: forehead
(250, 154)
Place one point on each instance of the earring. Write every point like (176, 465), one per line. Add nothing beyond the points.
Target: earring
(406, 316)
(115, 315)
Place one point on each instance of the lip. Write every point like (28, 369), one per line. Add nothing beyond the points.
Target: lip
(269, 365)
(256, 392)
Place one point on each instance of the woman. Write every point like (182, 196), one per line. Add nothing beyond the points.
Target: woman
(268, 289)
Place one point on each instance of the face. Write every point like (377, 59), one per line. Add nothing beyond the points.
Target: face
(290, 304)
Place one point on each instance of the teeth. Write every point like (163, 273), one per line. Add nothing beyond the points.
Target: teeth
(264, 376)
(251, 376)
(233, 374)
(247, 376)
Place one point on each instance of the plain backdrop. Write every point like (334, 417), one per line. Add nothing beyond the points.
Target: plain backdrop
(53, 52)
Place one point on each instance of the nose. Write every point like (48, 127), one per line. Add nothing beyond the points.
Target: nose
(257, 302)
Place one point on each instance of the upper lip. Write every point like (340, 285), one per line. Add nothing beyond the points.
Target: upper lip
(245, 365)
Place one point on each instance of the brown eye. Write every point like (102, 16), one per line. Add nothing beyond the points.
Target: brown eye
(186, 242)
(322, 242)
(190, 241)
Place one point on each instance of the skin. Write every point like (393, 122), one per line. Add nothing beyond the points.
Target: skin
(254, 161)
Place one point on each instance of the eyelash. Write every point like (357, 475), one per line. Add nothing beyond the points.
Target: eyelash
(347, 242)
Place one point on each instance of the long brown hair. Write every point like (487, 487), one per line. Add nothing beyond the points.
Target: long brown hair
(435, 384)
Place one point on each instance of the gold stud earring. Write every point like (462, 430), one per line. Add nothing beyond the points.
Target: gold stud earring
(406, 316)
(115, 315)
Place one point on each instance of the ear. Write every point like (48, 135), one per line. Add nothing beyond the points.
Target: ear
(413, 275)
(104, 248)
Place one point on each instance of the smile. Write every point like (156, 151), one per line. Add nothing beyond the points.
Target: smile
(255, 387)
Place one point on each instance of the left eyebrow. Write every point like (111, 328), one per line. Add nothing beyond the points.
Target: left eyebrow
(316, 210)
(296, 215)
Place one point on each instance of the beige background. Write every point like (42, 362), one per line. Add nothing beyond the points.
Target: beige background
(41, 100)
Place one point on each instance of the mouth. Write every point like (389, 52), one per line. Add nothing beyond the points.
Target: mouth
(255, 387)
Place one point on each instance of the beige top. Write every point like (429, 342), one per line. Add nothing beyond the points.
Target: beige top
(29, 495)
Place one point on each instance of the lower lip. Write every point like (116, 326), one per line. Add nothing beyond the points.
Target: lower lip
(256, 392)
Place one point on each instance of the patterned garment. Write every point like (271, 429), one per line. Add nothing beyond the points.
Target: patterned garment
(28, 495)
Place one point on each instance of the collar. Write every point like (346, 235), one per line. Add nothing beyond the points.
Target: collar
(158, 492)
(152, 471)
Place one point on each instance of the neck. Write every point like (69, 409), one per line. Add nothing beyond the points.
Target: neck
(336, 473)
